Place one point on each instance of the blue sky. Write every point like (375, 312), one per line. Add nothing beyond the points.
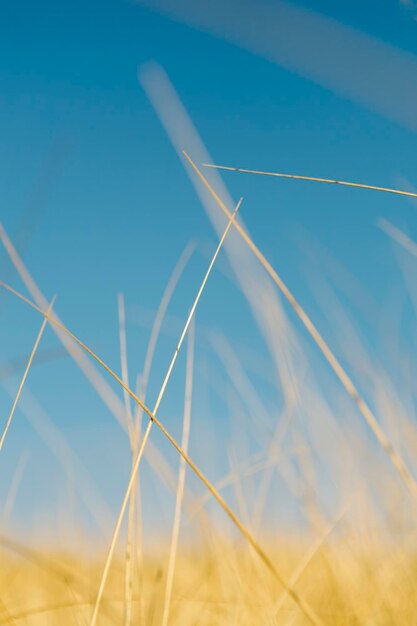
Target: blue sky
(86, 167)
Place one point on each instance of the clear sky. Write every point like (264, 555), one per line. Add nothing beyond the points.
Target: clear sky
(98, 203)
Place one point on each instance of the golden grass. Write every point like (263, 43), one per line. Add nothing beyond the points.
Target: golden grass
(346, 585)
(355, 566)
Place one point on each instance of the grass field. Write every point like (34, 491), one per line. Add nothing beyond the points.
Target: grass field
(339, 452)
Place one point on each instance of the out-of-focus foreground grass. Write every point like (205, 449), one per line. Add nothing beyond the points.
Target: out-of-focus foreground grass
(345, 584)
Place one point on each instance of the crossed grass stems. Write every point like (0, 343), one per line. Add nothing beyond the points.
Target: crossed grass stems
(134, 431)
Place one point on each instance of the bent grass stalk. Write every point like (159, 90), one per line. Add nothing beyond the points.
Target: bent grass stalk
(347, 383)
(304, 607)
(313, 179)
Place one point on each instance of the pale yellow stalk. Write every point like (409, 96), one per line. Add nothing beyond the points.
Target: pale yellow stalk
(314, 179)
(347, 383)
(25, 374)
(181, 476)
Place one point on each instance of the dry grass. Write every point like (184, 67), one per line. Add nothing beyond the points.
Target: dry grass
(345, 584)
(350, 557)
(335, 572)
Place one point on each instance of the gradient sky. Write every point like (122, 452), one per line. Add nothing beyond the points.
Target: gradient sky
(97, 201)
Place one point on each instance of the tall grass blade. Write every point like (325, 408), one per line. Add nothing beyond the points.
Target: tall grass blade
(347, 383)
